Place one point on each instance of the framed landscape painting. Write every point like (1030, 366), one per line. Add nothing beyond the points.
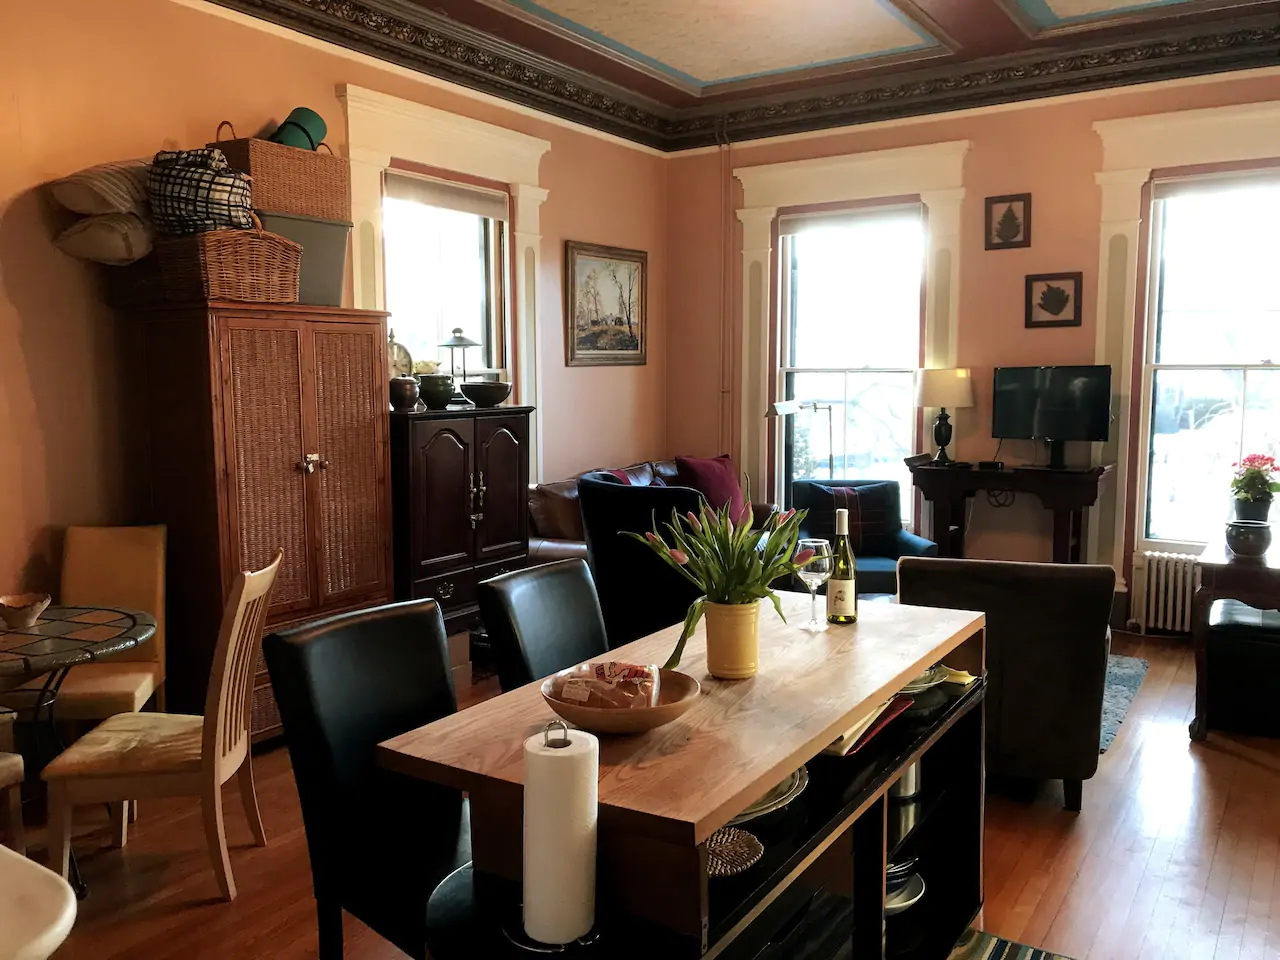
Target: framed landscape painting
(606, 305)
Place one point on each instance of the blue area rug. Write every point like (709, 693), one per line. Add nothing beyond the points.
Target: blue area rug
(1124, 676)
(976, 945)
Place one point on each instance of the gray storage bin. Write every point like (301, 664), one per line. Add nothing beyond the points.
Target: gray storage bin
(324, 254)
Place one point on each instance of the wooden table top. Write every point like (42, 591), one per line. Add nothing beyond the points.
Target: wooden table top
(66, 636)
(1217, 555)
(687, 779)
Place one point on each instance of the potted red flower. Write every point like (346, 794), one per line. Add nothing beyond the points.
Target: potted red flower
(1253, 487)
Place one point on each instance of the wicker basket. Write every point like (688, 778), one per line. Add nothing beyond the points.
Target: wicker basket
(305, 183)
(246, 265)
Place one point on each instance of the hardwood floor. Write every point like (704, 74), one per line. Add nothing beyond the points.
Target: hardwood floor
(1174, 855)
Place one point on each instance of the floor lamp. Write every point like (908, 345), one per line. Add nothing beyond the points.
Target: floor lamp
(787, 408)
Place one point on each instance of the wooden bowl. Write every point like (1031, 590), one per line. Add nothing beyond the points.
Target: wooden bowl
(21, 610)
(677, 692)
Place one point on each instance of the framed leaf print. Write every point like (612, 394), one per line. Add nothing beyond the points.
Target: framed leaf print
(1053, 299)
(1008, 221)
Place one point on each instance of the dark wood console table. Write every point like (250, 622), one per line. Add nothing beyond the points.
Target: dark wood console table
(1222, 576)
(1064, 492)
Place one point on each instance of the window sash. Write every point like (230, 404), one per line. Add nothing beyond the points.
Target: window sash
(495, 307)
(784, 429)
(1150, 371)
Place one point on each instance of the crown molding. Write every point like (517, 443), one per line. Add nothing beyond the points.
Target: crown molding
(409, 35)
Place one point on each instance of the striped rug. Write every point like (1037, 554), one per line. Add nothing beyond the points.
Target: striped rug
(976, 945)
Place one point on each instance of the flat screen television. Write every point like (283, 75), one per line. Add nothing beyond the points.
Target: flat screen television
(1052, 403)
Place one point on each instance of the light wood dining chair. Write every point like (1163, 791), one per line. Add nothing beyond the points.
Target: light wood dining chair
(132, 755)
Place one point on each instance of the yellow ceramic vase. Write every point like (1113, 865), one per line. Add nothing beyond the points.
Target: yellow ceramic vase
(733, 639)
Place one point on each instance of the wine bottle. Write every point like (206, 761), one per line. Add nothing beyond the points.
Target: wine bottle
(842, 594)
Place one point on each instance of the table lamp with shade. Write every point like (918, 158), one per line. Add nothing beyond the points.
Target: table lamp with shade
(944, 388)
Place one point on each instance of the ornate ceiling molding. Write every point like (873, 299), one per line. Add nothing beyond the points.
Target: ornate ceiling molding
(404, 33)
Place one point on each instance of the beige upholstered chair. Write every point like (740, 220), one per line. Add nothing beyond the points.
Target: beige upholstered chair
(114, 567)
(12, 773)
(134, 755)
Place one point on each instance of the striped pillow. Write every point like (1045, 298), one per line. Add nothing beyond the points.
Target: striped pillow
(119, 187)
(114, 238)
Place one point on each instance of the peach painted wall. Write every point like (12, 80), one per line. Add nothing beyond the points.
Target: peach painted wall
(1048, 150)
(82, 82)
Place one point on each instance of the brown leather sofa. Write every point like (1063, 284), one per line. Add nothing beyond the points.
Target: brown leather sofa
(555, 520)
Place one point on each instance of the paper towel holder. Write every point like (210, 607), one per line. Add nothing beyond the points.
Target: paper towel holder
(564, 740)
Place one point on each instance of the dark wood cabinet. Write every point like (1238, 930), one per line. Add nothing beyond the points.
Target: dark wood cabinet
(266, 428)
(460, 482)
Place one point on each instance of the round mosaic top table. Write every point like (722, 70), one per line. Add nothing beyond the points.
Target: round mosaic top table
(65, 637)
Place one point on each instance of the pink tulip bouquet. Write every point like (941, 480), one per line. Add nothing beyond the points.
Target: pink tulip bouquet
(730, 563)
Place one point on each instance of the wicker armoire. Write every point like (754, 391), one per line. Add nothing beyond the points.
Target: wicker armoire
(266, 427)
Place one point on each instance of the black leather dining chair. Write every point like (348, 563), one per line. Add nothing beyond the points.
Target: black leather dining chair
(541, 620)
(379, 841)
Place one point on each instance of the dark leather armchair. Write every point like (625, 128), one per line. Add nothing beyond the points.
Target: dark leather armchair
(379, 841)
(541, 620)
(883, 540)
(639, 594)
(1047, 647)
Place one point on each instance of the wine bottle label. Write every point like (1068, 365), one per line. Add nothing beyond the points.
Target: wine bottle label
(842, 600)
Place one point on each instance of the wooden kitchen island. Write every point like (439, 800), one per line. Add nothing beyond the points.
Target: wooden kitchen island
(819, 890)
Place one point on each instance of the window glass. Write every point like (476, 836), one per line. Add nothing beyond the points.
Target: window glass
(1213, 397)
(438, 278)
(852, 329)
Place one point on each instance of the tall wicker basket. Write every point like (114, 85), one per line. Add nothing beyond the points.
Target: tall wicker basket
(246, 265)
(305, 183)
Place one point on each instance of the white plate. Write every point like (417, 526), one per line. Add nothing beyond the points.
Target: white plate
(930, 678)
(776, 798)
(905, 896)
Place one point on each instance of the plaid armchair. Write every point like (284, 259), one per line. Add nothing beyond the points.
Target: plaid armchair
(875, 526)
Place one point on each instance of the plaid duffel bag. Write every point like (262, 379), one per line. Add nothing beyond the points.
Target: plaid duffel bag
(192, 191)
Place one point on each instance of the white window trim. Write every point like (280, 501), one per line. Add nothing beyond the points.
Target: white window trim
(381, 128)
(933, 172)
(1131, 149)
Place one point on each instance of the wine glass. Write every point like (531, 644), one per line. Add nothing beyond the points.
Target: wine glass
(814, 574)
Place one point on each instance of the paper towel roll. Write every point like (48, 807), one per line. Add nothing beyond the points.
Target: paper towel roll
(561, 794)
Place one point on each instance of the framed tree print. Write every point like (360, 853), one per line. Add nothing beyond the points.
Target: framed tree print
(1008, 221)
(606, 305)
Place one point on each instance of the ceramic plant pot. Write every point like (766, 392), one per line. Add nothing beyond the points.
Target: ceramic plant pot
(1248, 538)
(404, 393)
(733, 639)
(437, 390)
(1252, 509)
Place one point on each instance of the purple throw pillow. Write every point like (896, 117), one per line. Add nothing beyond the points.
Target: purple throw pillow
(717, 480)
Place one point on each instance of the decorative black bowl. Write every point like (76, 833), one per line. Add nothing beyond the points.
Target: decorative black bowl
(437, 389)
(486, 393)
(1248, 538)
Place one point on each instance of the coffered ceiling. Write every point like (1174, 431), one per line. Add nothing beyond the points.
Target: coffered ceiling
(684, 73)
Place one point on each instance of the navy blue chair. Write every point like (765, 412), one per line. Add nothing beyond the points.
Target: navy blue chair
(875, 524)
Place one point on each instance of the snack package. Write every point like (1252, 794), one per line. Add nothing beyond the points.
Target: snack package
(612, 685)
